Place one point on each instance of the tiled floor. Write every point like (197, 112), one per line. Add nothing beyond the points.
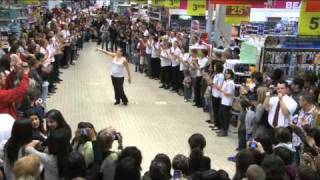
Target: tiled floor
(156, 121)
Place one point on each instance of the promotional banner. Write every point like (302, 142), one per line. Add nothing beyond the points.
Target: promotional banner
(235, 14)
(197, 8)
(172, 3)
(309, 22)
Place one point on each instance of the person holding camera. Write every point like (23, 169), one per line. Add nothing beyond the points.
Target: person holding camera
(103, 155)
(280, 107)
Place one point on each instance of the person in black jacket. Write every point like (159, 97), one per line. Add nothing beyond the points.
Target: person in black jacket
(197, 161)
(113, 36)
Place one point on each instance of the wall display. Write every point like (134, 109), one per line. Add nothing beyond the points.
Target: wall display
(293, 55)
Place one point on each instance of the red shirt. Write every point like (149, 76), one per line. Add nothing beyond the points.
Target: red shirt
(142, 48)
(8, 97)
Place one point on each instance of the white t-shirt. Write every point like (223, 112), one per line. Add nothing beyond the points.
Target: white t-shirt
(148, 50)
(165, 58)
(154, 51)
(177, 53)
(185, 58)
(44, 51)
(283, 121)
(217, 80)
(65, 34)
(202, 63)
(228, 87)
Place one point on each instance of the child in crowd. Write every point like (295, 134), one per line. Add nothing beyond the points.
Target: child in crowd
(187, 84)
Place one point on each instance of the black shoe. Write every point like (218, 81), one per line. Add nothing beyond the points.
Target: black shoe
(161, 86)
(125, 103)
(116, 103)
(209, 121)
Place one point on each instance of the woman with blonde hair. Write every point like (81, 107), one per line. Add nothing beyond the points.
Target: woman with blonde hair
(28, 167)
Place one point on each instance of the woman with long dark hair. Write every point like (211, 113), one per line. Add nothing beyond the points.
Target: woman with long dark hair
(119, 63)
(55, 120)
(21, 135)
(38, 131)
(55, 160)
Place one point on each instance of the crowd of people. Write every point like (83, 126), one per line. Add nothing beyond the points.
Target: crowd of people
(277, 124)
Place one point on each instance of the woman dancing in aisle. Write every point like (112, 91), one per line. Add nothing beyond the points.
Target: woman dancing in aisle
(119, 63)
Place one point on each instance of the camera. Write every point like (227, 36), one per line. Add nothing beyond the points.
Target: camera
(84, 131)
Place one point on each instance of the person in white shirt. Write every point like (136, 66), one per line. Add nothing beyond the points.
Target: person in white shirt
(217, 83)
(67, 48)
(280, 107)
(183, 60)
(148, 55)
(155, 60)
(165, 58)
(227, 96)
(199, 65)
(175, 55)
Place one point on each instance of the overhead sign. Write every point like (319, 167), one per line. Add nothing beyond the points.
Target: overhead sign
(157, 2)
(30, 2)
(309, 22)
(313, 6)
(172, 3)
(197, 8)
(235, 14)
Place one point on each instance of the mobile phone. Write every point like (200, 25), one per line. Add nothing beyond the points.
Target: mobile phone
(295, 119)
(177, 175)
(253, 144)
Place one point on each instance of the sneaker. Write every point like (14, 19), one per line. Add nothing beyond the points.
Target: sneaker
(116, 103)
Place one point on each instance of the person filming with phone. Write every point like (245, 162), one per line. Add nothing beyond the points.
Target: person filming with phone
(280, 107)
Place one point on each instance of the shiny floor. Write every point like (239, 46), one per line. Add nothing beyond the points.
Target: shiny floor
(156, 120)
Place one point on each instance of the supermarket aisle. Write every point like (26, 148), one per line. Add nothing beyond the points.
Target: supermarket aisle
(156, 121)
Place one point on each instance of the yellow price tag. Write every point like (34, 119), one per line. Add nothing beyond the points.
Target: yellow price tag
(236, 14)
(157, 2)
(197, 8)
(172, 3)
(309, 22)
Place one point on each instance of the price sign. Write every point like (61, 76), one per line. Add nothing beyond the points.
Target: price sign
(172, 3)
(309, 22)
(236, 14)
(157, 2)
(197, 8)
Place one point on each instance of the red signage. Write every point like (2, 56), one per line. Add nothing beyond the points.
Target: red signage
(278, 4)
(313, 6)
(230, 2)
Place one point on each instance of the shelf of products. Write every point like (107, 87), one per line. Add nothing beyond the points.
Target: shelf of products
(291, 56)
